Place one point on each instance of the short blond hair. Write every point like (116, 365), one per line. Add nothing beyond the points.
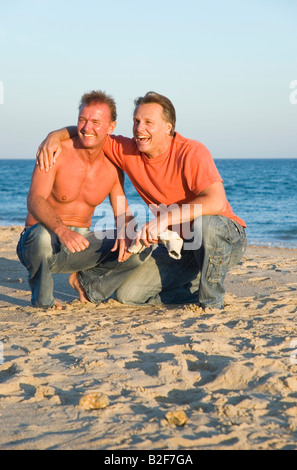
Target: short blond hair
(95, 97)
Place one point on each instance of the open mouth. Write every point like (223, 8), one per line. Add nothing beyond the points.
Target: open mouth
(142, 138)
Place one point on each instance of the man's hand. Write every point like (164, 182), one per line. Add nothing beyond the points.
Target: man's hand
(72, 240)
(48, 151)
(123, 245)
(150, 231)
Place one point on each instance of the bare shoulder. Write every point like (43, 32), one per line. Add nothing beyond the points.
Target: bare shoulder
(67, 145)
(114, 169)
(68, 152)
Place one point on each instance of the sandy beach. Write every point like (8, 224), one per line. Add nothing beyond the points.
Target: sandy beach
(171, 377)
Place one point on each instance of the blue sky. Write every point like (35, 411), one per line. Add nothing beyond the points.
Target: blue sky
(226, 65)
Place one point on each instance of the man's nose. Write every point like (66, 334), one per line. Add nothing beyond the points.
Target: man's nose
(140, 127)
(87, 126)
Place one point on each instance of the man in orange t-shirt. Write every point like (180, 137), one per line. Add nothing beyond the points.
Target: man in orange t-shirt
(178, 179)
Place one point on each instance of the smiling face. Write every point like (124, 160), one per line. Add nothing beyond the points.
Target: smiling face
(150, 130)
(94, 125)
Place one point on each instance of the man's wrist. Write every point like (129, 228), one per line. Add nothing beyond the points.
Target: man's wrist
(60, 229)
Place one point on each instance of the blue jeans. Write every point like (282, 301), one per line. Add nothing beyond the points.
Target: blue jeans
(102, 280)
(200, 273)
(41, 252)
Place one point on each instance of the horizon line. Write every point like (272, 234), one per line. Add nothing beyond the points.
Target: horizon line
(215, 158)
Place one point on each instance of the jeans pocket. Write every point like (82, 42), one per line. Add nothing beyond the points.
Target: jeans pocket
(235, 231)
(217, 268)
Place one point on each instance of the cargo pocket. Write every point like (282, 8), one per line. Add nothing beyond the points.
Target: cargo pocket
(217, 268)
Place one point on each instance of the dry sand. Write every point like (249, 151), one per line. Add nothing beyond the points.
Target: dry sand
(233, 373)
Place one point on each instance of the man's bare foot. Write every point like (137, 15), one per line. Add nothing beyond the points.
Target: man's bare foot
(57, 306)
(76, 285)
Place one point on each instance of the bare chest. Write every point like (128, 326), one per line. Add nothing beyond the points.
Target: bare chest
(86, 185)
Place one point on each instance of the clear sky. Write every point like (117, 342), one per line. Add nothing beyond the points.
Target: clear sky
(226, 65)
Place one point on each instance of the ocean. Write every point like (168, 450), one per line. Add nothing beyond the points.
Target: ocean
(263, 192)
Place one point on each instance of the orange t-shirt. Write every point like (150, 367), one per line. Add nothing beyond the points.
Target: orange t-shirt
(175, 177)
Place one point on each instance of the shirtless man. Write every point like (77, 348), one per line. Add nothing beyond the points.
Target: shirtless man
(61, 203)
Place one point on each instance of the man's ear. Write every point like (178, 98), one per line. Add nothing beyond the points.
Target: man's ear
(169, 127)
(111, 127)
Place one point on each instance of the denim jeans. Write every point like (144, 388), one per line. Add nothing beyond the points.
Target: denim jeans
(41, 252)
(200, 273)
(102, 280)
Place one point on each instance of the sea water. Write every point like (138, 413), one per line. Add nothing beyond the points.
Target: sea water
(263, 192)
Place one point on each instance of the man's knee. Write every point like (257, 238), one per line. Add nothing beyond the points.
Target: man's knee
(141, 285)
(39, 242)
(127, 294)
(212, 227)
(206, 230)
